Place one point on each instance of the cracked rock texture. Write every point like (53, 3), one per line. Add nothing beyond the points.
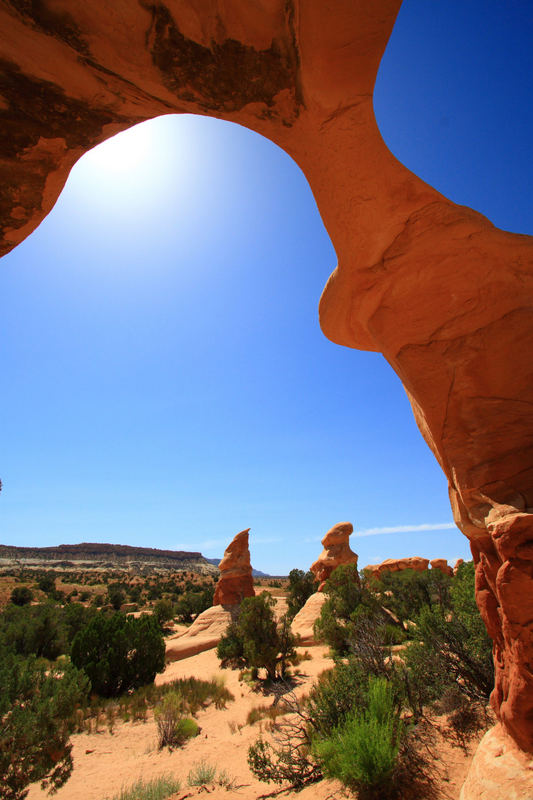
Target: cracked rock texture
(443, 294)
(235, 582)
(336, 552)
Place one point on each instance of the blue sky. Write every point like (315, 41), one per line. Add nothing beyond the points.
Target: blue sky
(165, 382)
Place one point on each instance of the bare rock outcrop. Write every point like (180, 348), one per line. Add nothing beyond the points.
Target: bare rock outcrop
(336, 552)
(499, 770)
(442, 565)
(439, 290)
(458, 563)
(415, 563)
(205, 633)
(303, 622)
(235, 582)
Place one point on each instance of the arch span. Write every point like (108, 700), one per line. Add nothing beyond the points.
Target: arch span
(435, 287)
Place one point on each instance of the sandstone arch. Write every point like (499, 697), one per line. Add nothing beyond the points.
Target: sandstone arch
(441, 292)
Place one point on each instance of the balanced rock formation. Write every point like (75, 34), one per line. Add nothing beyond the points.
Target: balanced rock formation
(235, 582)
(336, 552)
(442, 565)
(439, 290)
(397, 565)
(304, 621)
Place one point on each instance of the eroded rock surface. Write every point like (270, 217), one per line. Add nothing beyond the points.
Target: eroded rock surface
(205, 633)
(336, 551)
(442, 565)
(435, 287)
(397, 565)
(235, 582)
(499, 770)
(303, 622)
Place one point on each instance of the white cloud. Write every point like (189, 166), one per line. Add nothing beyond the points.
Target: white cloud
(426, 526)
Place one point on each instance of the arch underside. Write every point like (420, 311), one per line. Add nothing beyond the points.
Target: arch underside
(435, 287)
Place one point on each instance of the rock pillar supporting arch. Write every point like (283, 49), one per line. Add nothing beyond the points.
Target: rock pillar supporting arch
(435, 287)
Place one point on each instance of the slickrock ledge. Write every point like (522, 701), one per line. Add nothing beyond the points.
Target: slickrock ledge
(445, 295)
(499, 770)
(205, 633)
(304, 621)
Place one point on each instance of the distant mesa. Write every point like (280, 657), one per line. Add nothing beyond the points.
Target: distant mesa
(101, 556)
(234, 584)
(336, 552)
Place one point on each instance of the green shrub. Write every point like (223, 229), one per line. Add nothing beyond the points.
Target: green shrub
(119, 652)
(301, 586)
(363, 751)
(335, 695)
(34, 630)
(408, 591)
(21, 596)
(173, 727)
(346, 599)
(156, 789)
(201, 774)
(163, 612)
(453, 649)
(230, 649)
(256, 640)
(47, 583)
(37, 708)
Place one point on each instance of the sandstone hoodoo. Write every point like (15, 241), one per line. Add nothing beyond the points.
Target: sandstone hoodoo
(336, 551)
(235, 582)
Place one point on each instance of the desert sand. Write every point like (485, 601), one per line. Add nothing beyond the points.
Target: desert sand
(106, 762)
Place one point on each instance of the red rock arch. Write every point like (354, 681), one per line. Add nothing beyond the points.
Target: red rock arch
(435, 287)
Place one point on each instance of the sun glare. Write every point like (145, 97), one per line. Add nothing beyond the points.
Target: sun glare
(123, 152)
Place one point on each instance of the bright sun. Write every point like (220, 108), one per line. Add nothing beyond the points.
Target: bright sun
(123, 152)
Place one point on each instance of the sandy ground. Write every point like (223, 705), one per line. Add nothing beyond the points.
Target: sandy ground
(104, 763)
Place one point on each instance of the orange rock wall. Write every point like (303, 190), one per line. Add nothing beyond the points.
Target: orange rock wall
(442, 293)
